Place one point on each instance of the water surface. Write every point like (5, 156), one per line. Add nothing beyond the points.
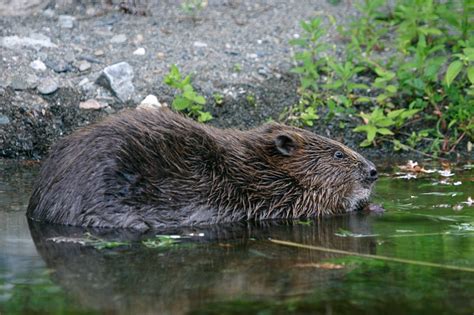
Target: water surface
(235, 269)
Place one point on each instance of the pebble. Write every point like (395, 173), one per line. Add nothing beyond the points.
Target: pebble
(198, 44)
(138, 39)
(4, 120)
(38, 65)
(18, 83)
(84, 66)
(47, 86)
(99, 52)
(49, 13)
(58, 66)
(92, 104)
(118, 39)
(36, 41)
(66, 21)
(140, 51)
(160, 55)
(118, 78)
(32, 81)
(149, 102)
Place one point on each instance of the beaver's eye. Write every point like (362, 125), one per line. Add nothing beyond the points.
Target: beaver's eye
(338, 155)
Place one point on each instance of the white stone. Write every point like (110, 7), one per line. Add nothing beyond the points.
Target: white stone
(66, 21)
(140, 51)
(198, 44)
(35, 40)
(38, 65)
(118, 39)
(150, 102)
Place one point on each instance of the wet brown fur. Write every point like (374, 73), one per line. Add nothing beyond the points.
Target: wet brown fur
(152, 168)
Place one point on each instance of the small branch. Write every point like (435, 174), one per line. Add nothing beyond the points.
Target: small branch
(384, 258)
(457, 142)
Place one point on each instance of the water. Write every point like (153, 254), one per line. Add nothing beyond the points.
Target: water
(235, 269)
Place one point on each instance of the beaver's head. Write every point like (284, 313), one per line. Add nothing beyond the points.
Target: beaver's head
(332, 177)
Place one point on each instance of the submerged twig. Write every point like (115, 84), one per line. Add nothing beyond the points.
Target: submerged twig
(370, 256)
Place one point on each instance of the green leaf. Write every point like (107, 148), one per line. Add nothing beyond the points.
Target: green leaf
(362, 99)
(204, 116)
(200, 99)
(453, 70)
(469, 52)
(384, 131)
(180, 103)
(391, 88)
(365, 143)
(371, 132)
(470, 74)
(395, 113)
(362, 128)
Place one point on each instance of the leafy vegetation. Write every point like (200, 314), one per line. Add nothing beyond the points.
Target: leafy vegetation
(425, 76)
(161, 241)
(188, 100)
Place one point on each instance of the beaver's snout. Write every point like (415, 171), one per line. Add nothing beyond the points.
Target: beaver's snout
(370, 172)
(373, 175)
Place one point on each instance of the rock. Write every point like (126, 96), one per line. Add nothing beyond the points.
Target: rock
(49, 13)
(24, 7)
(138, 39)
(150, 102)
(86, 86)
(118, 78)
(58, 66)
(198, 44)
(160, 55)
(4, 120)
(18, 83)
(38, 65)
(139, 52)
(253, 56)
(92, 104)
(32, 81)
(66, 21)
(84, 66)
(118, 39)
(47, 86)
(36, 41)
(99, 52)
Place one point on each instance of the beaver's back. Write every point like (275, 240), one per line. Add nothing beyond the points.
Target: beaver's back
(96, 176)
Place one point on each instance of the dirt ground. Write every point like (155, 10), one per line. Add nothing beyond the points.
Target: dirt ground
(53, 52)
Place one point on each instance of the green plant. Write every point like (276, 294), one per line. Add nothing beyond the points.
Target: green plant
(428, 71)
(343, 78)
(218, 98)
(251, 100)
(161, 241)
(193, 7)
(188, 100)
(378, 122)
(365, 31)
(309, 58)
(237, 67)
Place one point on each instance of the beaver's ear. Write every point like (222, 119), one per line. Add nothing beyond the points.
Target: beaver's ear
(285, 144)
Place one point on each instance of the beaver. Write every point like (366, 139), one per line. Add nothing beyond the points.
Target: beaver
(154, 168)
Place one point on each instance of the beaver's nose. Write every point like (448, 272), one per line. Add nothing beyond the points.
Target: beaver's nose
(373, 174)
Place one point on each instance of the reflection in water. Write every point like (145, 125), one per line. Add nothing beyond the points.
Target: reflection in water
(228, 262)
(234, 269)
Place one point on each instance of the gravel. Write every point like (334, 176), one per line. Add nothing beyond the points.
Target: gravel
(237, 49)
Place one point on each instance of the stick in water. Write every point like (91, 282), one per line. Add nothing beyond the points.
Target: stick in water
(385, 258)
